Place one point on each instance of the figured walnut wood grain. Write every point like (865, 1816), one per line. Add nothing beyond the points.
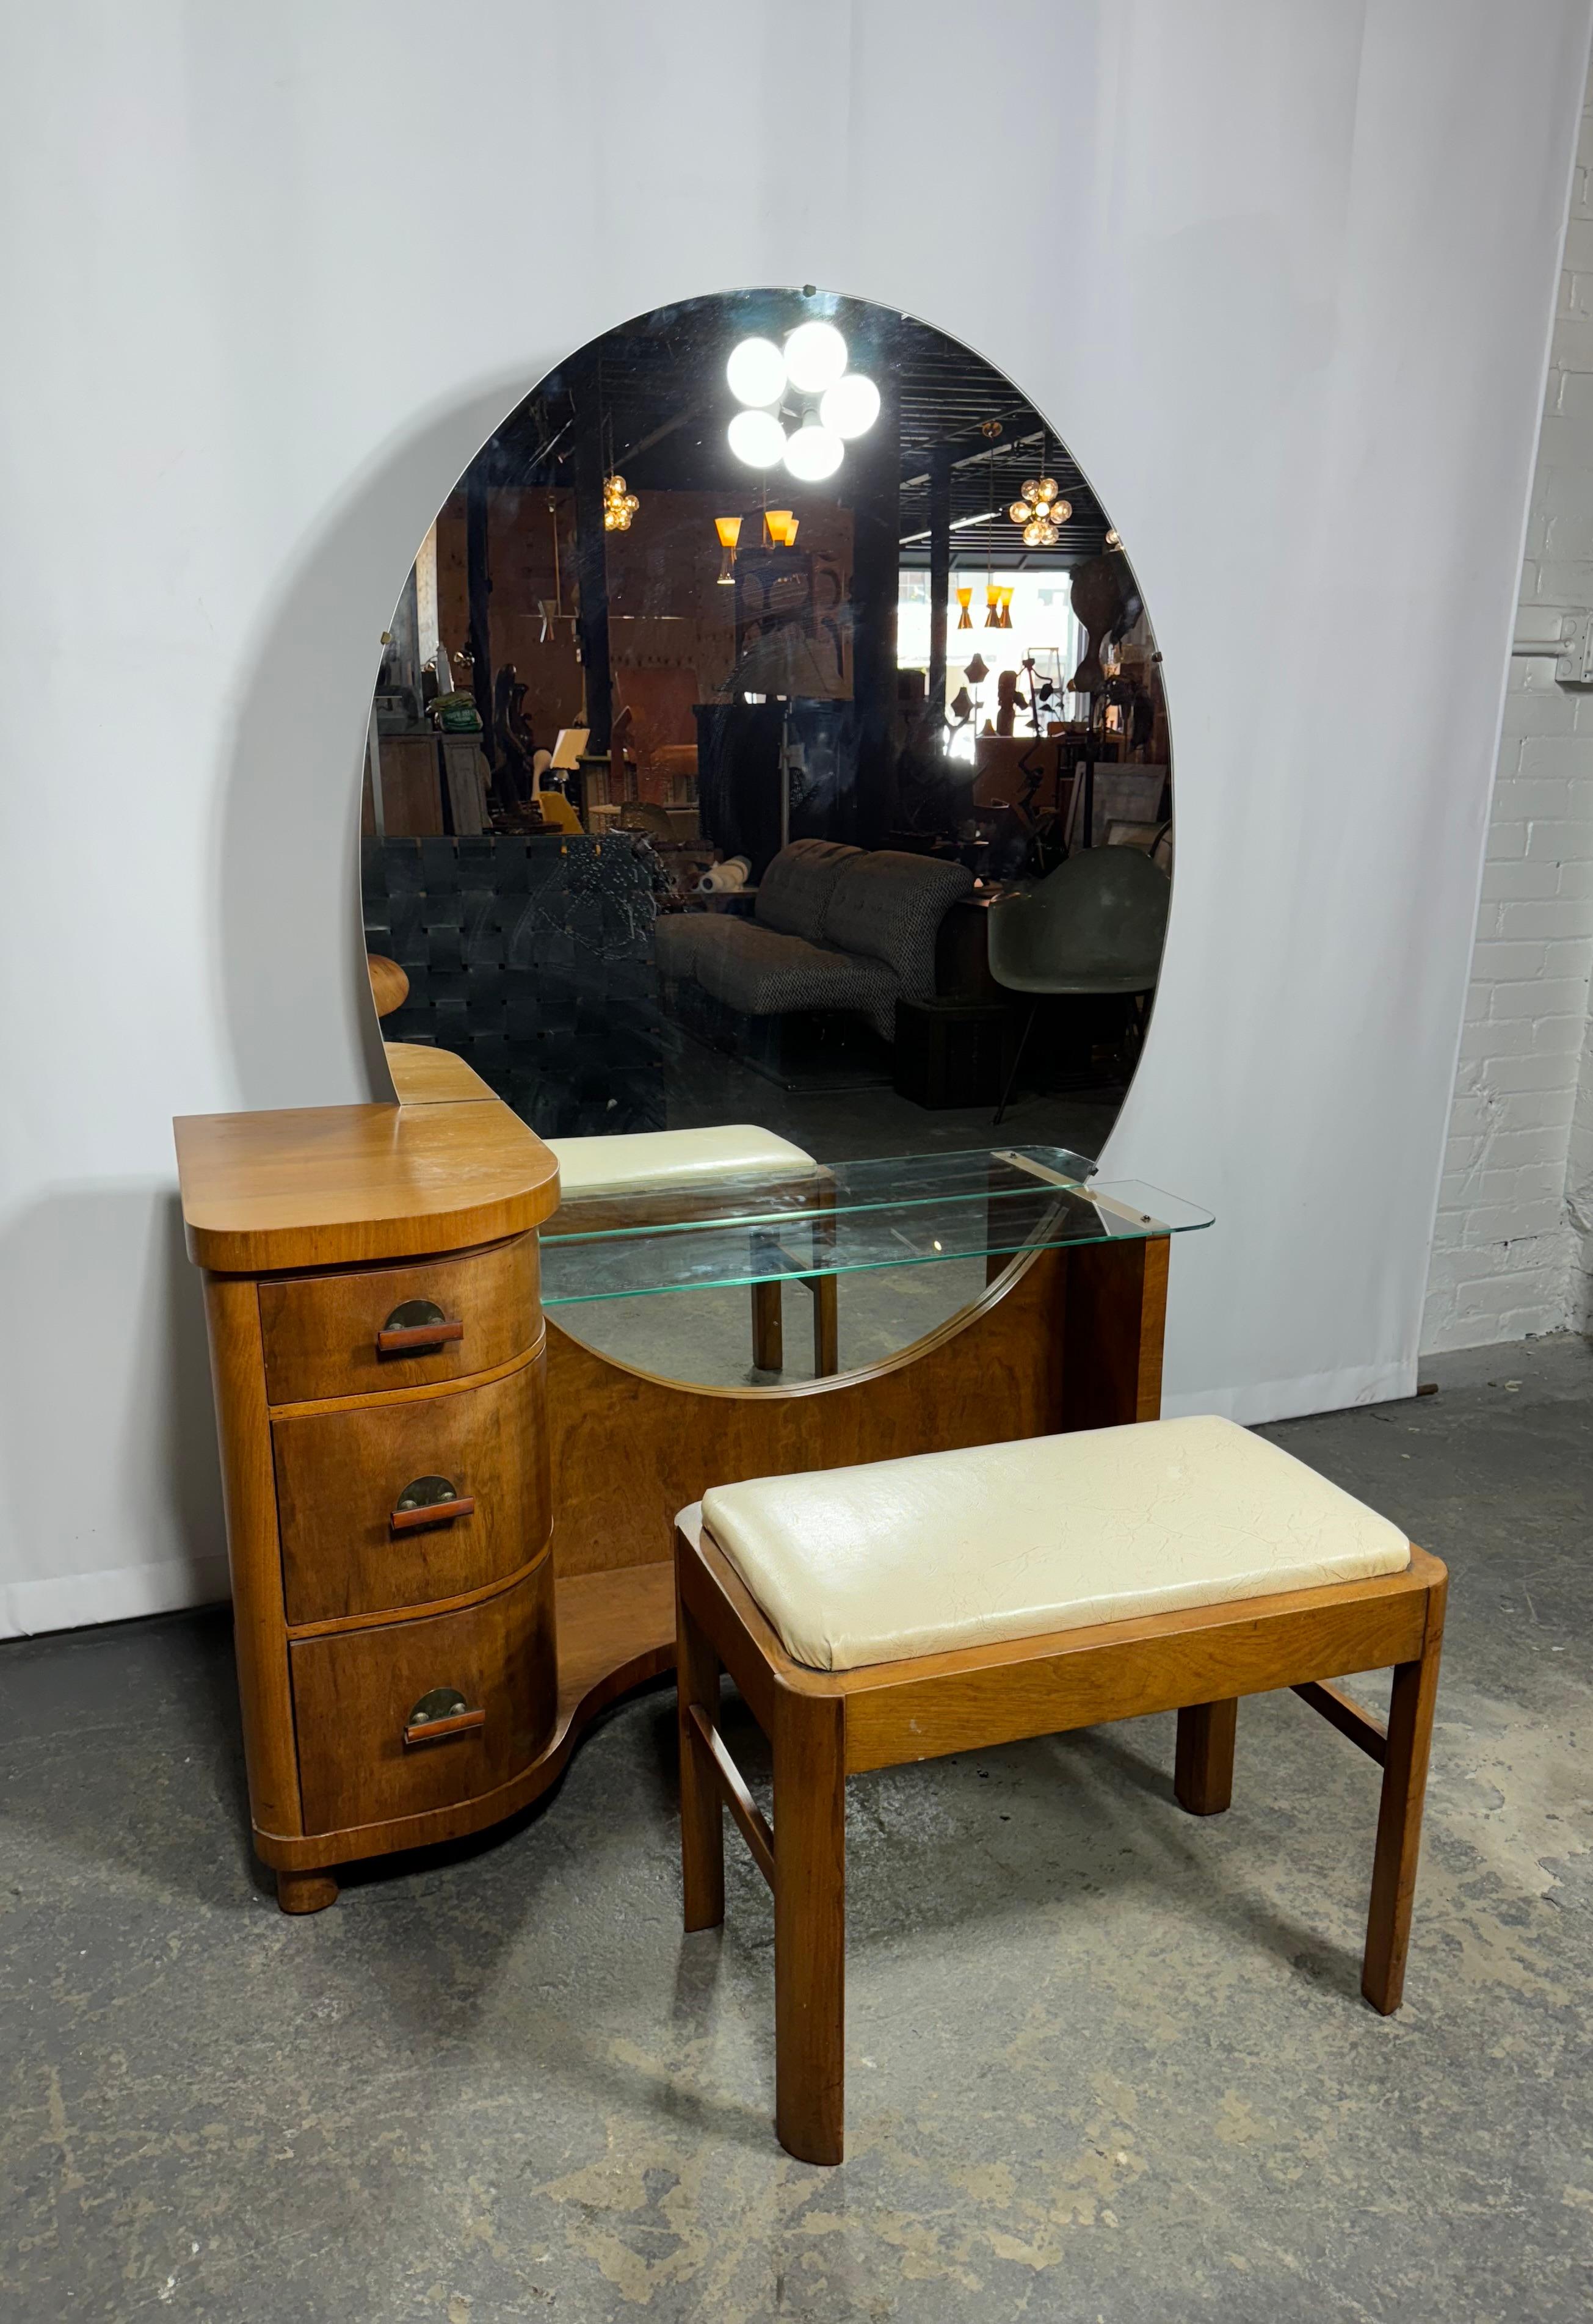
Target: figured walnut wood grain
(390, 985)
(249, 1492)
(339, 1476)
(319, 1330)
(615, 1631)
(353, 1694)
(629, 1451)
(336, 1186)
(424, 1076)
(932, 1704)
(1115, 1320)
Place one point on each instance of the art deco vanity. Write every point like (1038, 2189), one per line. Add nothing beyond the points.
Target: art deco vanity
(450, 1519)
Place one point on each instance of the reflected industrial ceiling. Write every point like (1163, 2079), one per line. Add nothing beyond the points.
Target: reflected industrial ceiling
(658, 385)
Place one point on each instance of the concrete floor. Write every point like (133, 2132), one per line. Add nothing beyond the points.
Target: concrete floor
(1106, 2063)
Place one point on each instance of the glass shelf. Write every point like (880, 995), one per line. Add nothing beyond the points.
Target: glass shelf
(845, 1218)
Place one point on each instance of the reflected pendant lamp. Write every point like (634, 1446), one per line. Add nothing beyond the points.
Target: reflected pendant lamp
(728, 528)
(965, 597)
(619, 506)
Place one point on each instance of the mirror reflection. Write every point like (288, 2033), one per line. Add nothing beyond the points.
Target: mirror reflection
(769, 769)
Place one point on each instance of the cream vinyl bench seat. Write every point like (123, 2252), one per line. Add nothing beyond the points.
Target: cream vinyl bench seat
(659, 1177)
(904, 1609)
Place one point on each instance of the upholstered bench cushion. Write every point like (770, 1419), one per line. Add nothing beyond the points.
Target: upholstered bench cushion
(641, 1160)
(1007, 1541)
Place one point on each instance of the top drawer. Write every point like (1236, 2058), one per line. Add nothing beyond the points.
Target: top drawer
(321, 1330)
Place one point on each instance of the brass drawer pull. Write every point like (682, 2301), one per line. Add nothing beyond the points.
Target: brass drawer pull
(439, 1714)
(418, 1323)
(429, 1500)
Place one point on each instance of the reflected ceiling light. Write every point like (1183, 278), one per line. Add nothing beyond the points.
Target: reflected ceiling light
(835, 403)
(619, 506)
(756, 371)
(992, 605)
(757, 437)
(728, 528)
(965, 596)
(851, 406)
(814, 453)
(815, 357)
(781, 526)
(1005, 595)
(1039, 512)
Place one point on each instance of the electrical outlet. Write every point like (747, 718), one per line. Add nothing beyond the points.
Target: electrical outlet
(1573, 664)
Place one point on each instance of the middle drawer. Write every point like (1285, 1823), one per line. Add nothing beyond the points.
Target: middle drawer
(341, 1478)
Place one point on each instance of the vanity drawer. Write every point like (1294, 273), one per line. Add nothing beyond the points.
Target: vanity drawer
(356, 1693)
(341, 1476)
(319, 1332)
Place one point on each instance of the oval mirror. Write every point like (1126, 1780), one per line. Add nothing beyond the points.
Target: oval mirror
(770, 745)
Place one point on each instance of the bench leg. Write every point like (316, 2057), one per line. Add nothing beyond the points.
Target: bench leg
(1399, 1824)
(827, 1360)
(809, 1926)
(768, 1339)
(1203, 1760)
(702, 1821)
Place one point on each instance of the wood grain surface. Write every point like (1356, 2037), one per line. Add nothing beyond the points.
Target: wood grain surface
(336, 1185)
(319, 1330)
(354, 1693)
(339, 1476)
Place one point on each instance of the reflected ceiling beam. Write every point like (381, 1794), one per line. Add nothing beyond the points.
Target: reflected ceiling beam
(960, 458)
(960, 524)
(680, 419)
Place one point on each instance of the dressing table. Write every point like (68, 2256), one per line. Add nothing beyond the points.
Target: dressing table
(449, 1518)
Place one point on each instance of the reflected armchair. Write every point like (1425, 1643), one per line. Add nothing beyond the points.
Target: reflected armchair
(1095, 925)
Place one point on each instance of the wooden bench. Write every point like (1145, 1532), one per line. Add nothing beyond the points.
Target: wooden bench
(877, 1616)
(658, 1177)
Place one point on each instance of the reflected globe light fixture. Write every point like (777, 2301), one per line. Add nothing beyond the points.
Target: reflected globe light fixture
(815, 356)
(851, 406)
(1039, 512)
(814, 453)
(619, 506)
(756, 371)
(838, 404)
(757, 438)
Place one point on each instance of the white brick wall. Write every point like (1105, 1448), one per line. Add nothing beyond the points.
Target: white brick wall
(1513, 1247)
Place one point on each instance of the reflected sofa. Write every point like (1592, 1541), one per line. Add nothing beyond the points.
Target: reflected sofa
(831, 927)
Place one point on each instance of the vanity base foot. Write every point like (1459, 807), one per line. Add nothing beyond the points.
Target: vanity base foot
(305, 1892)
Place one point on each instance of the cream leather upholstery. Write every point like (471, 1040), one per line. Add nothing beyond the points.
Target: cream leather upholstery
(649, 1160)
(961, 1549)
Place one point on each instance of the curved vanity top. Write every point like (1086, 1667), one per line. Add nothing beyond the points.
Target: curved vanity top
(335, 1185)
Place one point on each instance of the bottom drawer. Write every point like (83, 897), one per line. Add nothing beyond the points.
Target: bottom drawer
(356, 1693)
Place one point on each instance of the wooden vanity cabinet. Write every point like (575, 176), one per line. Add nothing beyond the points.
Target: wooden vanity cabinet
(379, 1361)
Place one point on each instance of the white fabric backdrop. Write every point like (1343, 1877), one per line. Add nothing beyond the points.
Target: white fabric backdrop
(272, 275)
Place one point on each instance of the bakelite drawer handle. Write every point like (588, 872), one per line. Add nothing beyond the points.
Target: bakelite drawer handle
(417, 1324)
(418, 1335)
(429, 1500)
(439, 1714)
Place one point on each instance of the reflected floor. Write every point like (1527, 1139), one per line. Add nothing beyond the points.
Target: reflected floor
(705, 1336)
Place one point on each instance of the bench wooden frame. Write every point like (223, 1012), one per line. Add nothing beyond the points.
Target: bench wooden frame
(824, 1726)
